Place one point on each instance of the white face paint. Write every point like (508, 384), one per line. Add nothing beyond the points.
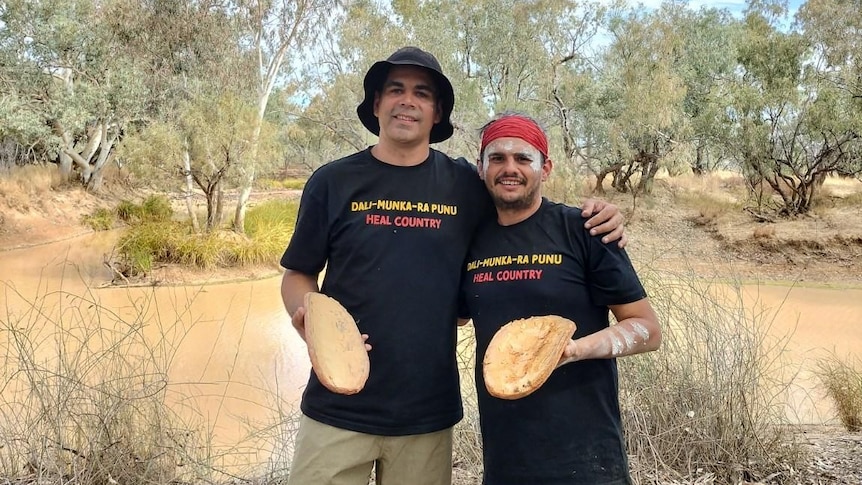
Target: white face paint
(510, 146)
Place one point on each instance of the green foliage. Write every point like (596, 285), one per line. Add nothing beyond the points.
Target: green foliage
(842, 378)
(159, 240)
(285, 184)
(101, 219)
(155, 208)
(70, 80)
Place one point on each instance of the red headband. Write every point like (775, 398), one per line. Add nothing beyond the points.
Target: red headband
(516, 127)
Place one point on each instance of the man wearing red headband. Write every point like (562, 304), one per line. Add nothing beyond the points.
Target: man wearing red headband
(535, 258)
(391, 224)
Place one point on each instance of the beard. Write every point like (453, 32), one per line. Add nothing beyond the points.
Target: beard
(524, 202)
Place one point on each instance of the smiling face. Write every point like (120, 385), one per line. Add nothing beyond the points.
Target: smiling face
(406, 107)
(513, 171)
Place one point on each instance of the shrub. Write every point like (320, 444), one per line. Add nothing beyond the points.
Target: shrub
(709, 402)
(843, 381)
(100, 220)
(86, 401)
(144, 244)
(157, 208)
(268, 228)
(129, 212)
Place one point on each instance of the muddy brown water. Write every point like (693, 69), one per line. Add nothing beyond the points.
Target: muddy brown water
(236, 363)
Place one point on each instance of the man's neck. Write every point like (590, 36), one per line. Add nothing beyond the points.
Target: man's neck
(401, 156)
(510, 217)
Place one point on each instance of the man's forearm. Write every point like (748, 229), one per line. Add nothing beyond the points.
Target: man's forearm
(637, 331)
(294, 286)
(628, 337)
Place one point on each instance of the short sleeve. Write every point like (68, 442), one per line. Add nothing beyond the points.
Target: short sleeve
(308, 247)
(612, 278)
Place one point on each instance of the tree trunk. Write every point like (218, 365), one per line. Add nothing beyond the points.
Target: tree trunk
(65, 166)
(219, 214)
(699, 167)
(187, 171)
(242, 203)
(210, 194)
(106, 153)
(649, 167)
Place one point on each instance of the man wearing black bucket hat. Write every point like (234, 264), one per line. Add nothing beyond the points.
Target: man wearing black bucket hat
(392, 225)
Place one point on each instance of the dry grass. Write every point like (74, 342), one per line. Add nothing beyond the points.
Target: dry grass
(83, 397)
(710, 403)
(467, 441)
(763, 232)
(567, 187)
(25, 186)
(86, 399)
(710, 207)
(842, 378)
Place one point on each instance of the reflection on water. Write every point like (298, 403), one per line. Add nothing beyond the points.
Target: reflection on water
(235, 359)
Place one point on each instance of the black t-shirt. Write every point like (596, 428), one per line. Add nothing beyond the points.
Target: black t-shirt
(569, 430)
(393, 240)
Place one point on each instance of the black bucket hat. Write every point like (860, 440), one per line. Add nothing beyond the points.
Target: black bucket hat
(408, 56)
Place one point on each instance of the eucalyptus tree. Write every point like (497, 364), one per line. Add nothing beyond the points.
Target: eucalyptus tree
(647, 120)
(367, 32)
(497, 55)
(71, 75)
(193, 64)
(21, 126)
(571, 87)
(705, 59)
(282, 36)
(834, 30)
(796, 120)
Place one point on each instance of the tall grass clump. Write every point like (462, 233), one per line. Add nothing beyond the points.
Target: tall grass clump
(709, 207)
(155, 240)
(83, 395)
(283, 184)
(101, 219)
(842, 378)
(155, 208)
(143, 245)
(709, 405)
(268, 226)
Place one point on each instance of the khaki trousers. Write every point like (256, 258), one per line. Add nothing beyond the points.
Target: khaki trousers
(326, 455)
